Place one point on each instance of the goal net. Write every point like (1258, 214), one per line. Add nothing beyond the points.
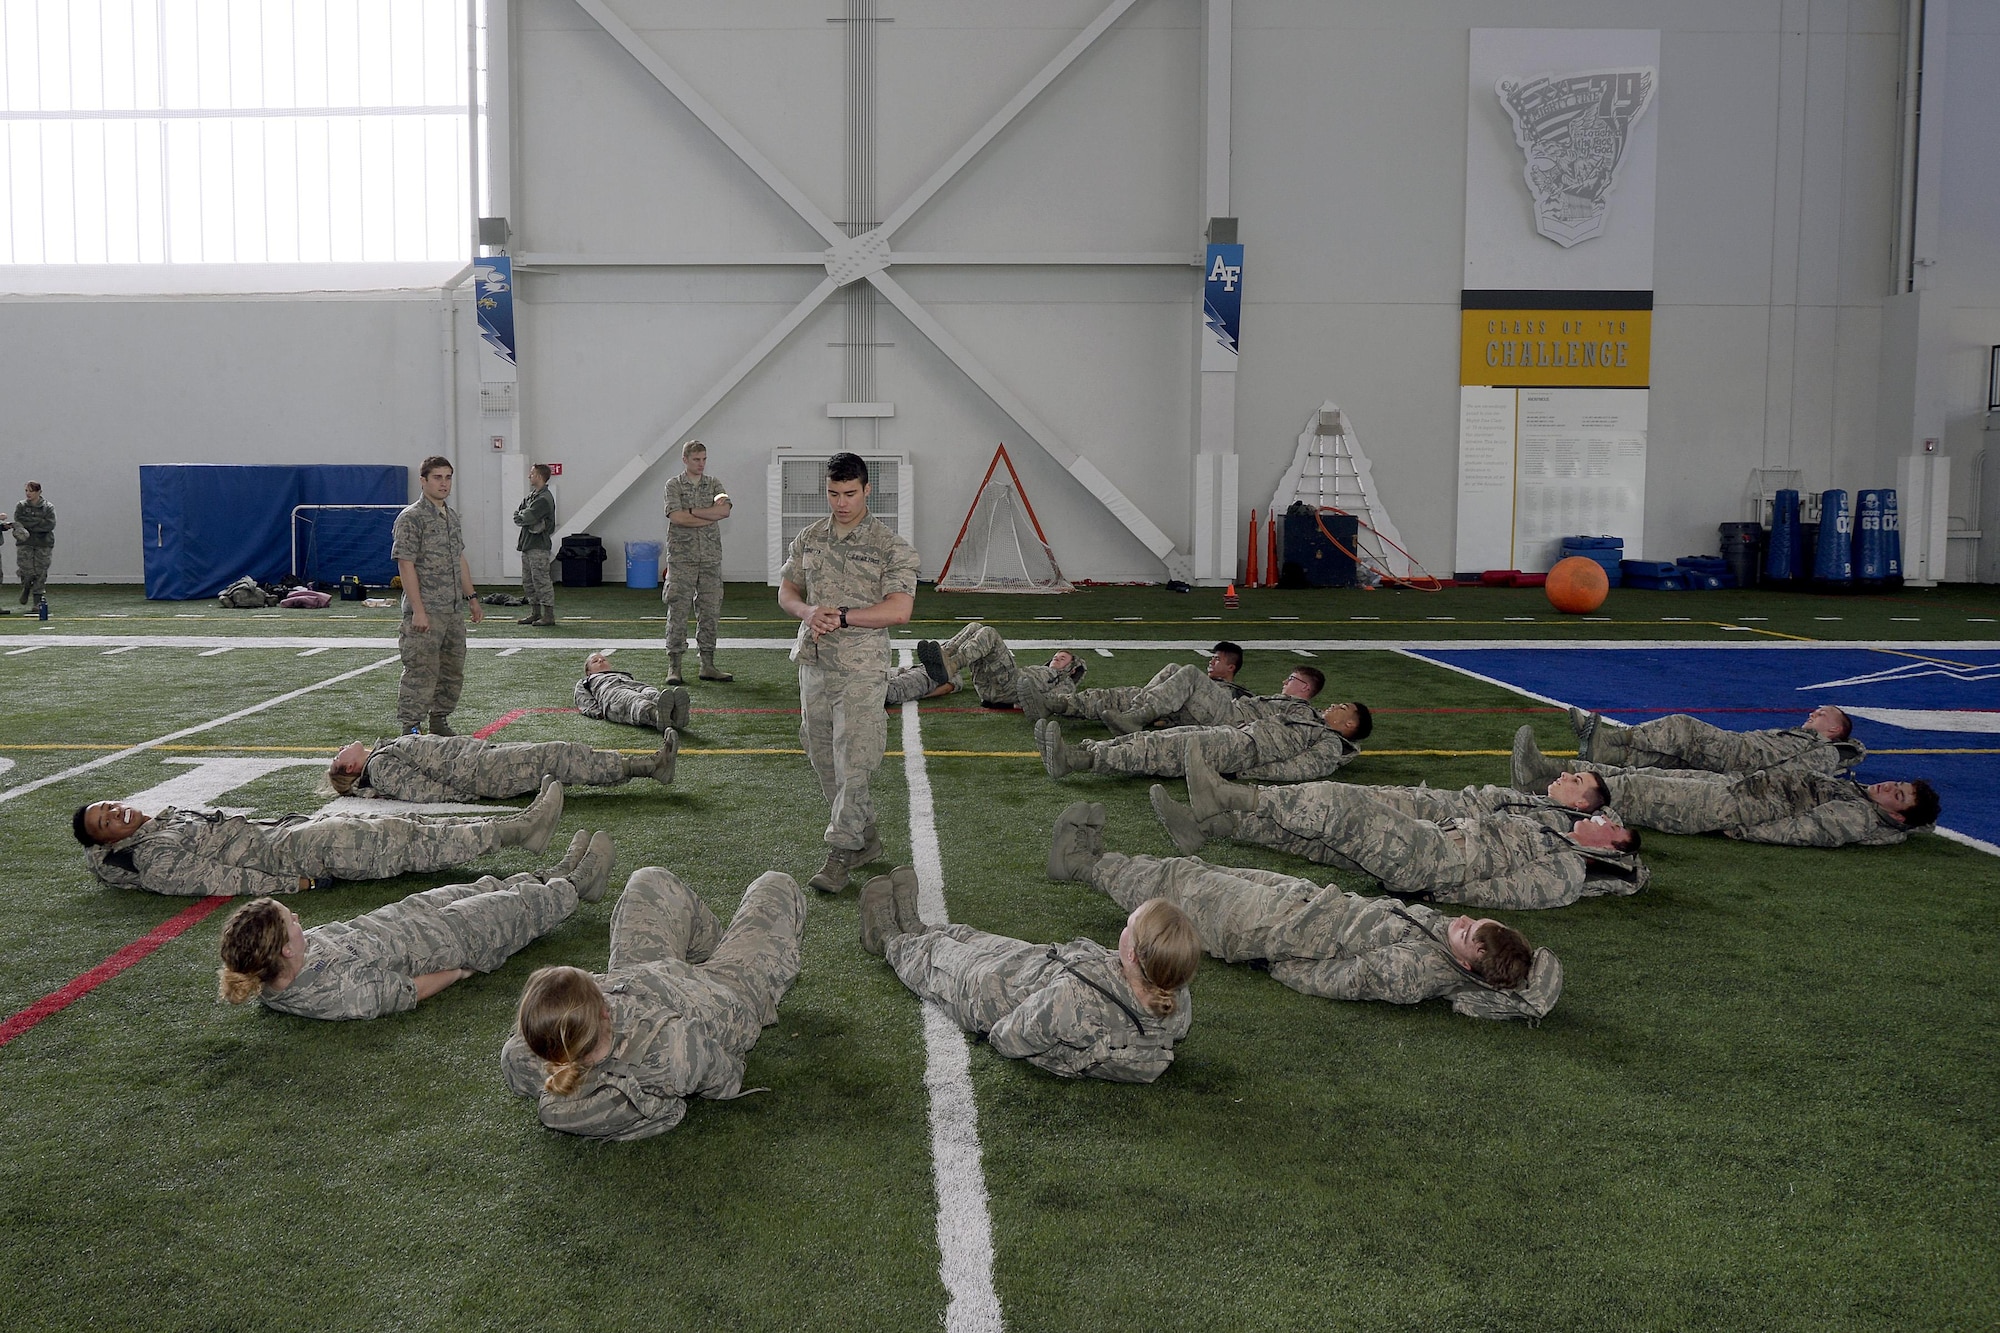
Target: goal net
(330, 541)
(1000, 546)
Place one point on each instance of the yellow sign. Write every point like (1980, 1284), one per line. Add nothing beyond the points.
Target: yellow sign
(1597, 349)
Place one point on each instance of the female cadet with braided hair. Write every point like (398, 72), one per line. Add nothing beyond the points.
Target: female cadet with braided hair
(673, 1016)
(1078, 1009)
(396, 956)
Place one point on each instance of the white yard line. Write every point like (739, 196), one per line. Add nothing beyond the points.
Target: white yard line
(113, 652)
(1976, 843)
(965, 1228)
(195, 730)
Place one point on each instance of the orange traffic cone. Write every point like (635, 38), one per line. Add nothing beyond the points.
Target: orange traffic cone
(1229, 598)
(1250, 574)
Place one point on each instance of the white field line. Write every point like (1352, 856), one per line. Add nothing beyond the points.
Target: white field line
(1976, 843)
(197, 729)
(965, 1228)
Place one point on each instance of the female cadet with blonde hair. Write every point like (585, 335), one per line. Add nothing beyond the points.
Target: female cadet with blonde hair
(617, 1055)
(1078, 1009)
(395, 956)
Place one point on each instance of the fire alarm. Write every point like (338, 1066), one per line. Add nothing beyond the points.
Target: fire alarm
(499, 442)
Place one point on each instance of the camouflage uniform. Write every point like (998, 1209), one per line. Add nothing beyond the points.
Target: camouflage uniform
(1441, 803)
(616, 696)
(369, 966)
(843, 676)
(1776, 805)
(430, 537)
(907, 685)
(1179, 694)
(465, 768)
(536, 517)
(687, 1001)
(1320, 941)
(1683, 742)
(1292, 745)
(1486, 860)
(191, 853)
(694, 566)
(1065, 1007)
(35, 540)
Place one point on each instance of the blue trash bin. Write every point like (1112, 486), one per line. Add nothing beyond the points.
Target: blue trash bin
(1833, 559)
(642, 564)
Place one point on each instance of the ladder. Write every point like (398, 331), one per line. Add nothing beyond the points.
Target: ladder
(1330, 471)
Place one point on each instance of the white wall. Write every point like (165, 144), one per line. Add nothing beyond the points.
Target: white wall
(1777, 125)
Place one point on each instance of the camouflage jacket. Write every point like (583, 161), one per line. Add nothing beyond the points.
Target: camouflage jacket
(1785, 806)
(594, 693)
(432, 539)
(432, 768)
(536, 517)
(194, 853)
(1439, 803)
(677, 1034)
(1513, 861)
(859, 569)
(1294, 745)
(1083, 1020)
(694, 546)
(35, 523)
(1680, 741)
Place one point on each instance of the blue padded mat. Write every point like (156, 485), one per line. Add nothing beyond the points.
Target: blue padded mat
(1941, 709)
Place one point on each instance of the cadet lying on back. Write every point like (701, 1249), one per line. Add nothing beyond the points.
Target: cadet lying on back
(1823, 743)
(1317, 940)
(978, 655)
(195, 853)
(1179, 694)
(395, 956)
(1079, 1010)
(465, 768)
(616, 696)
(1295, 743)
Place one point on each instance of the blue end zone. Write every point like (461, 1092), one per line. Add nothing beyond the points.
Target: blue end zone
(1746, 689)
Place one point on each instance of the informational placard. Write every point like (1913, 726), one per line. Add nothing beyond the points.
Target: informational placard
(1538, 465)
(1486, 478)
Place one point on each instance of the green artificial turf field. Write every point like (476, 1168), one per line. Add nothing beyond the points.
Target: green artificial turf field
(1767, 1098)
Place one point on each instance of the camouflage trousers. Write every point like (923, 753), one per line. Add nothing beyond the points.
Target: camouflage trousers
(907, 685)
(357, 847)
(633, 705)
(518, 767)
(988, 663)
(1094, 704)
(1688, 802)
(975, 977)
(844, 732)
(433, 667)
(478, 925)
(756, 959)
(1183, 695)
(691, 586)
(1163, 753)
(34, 563)
(536, 584)
(1240, 913)
(1346, 826)
(1682, 742)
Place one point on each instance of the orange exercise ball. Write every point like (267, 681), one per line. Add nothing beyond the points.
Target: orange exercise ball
(1577, 585)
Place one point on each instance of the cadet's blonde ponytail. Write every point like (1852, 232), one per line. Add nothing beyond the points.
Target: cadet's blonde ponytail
(342, 783)
(253, 946)
(1168, 951)
(561, 1018)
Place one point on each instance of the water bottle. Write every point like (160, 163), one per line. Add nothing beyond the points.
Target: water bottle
(41, 608)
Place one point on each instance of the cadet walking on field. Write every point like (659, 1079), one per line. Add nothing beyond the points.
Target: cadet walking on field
(1319, 940)
(536, 517)
(848, 578)
(35, 542)
(1487, 860)
(395, 956)
(195, 853)
(465, 768)
(617, 696)
(1079, 1010)
(429, 547)
(618, 1055)
(1294, 744)
(1823, 743)
(978, 653)
(696, 504)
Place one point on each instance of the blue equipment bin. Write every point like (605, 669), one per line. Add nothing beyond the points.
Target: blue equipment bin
(1657, 575)
(1706, 572)
(1606, 551)
(642, 564)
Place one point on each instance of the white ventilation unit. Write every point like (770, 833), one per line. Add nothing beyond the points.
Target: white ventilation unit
(795, 486)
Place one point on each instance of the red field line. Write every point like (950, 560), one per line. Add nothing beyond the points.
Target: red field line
(57, 1001)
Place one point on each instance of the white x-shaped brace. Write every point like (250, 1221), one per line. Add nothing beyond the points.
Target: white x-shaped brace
(867, 257)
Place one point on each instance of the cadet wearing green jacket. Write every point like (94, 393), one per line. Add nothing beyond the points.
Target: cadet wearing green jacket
(535, 516)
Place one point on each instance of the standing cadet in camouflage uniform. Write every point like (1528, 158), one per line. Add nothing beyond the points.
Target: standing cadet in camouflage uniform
(193, 853)
(1775, 805)
(466, 768)
(429, 546)
(617, 1055)
(1823, 743)
(848, 578)
(1177, 693)
(1079, 1010)
(35, 538)
(1488, 860)
(616, 696)
(1317, 940)
(978, 653)
(1296, 743)
(387, 961)
(696, 503)
(536, 517)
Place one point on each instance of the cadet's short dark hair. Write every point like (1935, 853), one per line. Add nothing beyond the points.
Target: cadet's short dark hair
(1846, 725)
(77, 826)
(1313, 674)
(1232, 651)
(1924, 805)
(433, 463)
(547, 473)
(1600, 788)
(1627, 843)
(1364, 721)
(1504, 957)
(847, 467)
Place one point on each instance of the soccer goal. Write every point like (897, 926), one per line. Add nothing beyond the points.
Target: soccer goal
(331, 541)
(993, 553)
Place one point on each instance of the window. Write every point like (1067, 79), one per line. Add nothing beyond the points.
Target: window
(233, 131)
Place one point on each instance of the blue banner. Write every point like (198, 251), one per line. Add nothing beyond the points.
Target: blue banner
(1222, 295)
(493, 286)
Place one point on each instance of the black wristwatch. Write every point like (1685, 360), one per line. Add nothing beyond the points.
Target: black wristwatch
(843, 617)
